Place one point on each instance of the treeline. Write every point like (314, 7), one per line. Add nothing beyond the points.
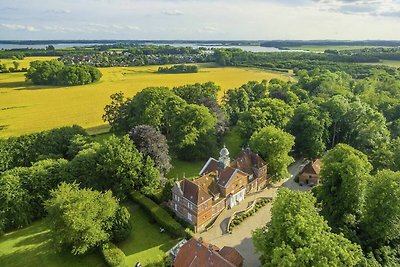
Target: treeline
(290, 43)
(33, 165)
(182, 68)
(307, 61)
(54, 72)
(189, 116)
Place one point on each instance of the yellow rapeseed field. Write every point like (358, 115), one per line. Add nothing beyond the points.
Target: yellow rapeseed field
(24, 63)
(27, 108)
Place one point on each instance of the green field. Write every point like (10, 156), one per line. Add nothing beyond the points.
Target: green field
(27, 108)
(322, 48)
(390, 63)
(30, 246)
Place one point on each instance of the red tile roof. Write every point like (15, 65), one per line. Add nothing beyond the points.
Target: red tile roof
(197, 253)
(232, 255)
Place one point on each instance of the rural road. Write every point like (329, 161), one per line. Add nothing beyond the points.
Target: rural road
(241, 236)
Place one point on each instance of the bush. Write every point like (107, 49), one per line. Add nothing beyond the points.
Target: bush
(122, 226)
(113, 255)
(160, 215)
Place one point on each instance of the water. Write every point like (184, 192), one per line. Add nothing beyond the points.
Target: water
(250, 48)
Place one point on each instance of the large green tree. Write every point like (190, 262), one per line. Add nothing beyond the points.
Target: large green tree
(310, 127)
(273, 144)
(298, 236)
(381, 218)
(344, 175)
(266, 112)
(80, 219)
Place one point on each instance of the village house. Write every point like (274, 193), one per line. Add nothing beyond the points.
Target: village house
(310, 173)
(197, 253)
(222, 183)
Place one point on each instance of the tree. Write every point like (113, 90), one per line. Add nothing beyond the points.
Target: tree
(123, 168)
(344, 175)
(266, 112)
(44, 72)
(152, 143)
(15, 209)
(121, 226)
(274, 144)
(80, 219)
(310, 128)
(193, 93)
(381, 221)
(188, 128)
(16, 65)
(115, 113)
(298, 236)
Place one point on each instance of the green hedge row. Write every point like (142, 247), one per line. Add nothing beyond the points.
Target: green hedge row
(114, 256)
(161, 216)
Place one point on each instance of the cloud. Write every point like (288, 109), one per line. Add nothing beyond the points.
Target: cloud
(174, 12)
(384, 8)
(17, 27)
(58, 11)
(207, 29)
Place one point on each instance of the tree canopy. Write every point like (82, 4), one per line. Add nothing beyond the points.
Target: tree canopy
(298, 236)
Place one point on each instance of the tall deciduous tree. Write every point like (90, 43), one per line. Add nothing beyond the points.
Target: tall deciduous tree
(266, 112)
(310, 128)
(381, 220)
(80, 219)
(152, 143)
(274, 144)
(299, 236)
(344, 175)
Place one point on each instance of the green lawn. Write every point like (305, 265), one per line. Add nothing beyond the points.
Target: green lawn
(30, 246)
(191, 169)
(146, 244)
(233, 141)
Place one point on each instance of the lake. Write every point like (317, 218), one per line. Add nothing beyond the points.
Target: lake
(250, 48)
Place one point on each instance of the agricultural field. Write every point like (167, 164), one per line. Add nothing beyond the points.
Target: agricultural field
(390, 63)
(30, 246)
(322, 48)
(27, 108)
(23, 63)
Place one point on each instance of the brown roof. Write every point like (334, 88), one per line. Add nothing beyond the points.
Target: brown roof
(207, 183)
(313, 167)
(210, 166)
(247, 160)
(232, 255)
(193, 192)
(225, 174)
(197, 253)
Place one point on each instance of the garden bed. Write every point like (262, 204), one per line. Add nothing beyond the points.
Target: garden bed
(238, 217)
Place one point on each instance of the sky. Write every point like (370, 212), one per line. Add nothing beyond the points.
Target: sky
(200, 19)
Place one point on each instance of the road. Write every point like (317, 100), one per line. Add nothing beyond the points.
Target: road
(241, 236)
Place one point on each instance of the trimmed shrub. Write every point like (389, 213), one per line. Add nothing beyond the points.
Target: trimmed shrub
(114, 256)
(122, 226)
(160, 215)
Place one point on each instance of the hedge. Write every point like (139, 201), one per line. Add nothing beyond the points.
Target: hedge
(161, 216)
(114, 256)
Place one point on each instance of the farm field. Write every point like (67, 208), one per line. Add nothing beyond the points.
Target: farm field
(30, 247)
(390, 63)
(23, 63)
(322, 48)
(27, 108)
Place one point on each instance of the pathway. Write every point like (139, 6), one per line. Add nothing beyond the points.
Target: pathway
(241, 236)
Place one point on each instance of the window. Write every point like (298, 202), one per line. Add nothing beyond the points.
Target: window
(189, 217)
(188, 205)
(177, 198)
(176, 207)
(233, 189)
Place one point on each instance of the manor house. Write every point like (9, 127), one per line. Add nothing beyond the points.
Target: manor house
(222, 183)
